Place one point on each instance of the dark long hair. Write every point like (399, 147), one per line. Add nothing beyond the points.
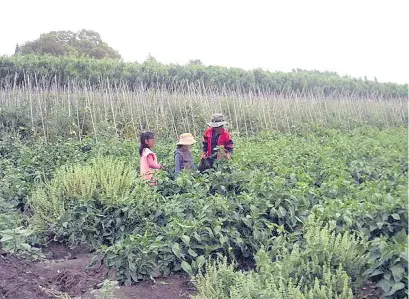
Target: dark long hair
(145, 136)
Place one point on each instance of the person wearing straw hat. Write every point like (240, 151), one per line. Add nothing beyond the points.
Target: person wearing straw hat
(183, 155)
(217, 143)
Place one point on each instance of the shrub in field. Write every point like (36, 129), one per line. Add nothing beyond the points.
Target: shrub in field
(321, 244)
(327, 265)
(23, 164)
(192, 224)
(13, 181)
(139, 257)
(16, 121)
(14, 237)
(108, 179)
(94, 203)
(17, 241)
(9, 217)
(95, 223)
(389, 264)
(180, 234)
(221, 281)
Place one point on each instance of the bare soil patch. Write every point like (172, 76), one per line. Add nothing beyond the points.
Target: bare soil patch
(65, 274)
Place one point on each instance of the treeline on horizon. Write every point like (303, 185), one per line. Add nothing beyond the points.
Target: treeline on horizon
(64, 71)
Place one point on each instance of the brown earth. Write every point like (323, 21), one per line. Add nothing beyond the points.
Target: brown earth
(64, 275)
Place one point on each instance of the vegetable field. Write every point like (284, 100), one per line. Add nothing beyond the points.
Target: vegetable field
(309, 210)
(312, 205)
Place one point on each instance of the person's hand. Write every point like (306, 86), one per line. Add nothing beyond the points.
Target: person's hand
(204, 155)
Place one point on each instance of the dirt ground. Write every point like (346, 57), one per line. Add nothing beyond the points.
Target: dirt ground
(64, 275)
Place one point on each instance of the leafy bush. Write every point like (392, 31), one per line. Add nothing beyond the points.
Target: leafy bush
(326, 266)
(222, 282)
(389, 264)
(9, 217)
(107, 179)
(323, 246)
(16, 241)
(139, 257)
(96, 203)
(24, 164)
(14, 237)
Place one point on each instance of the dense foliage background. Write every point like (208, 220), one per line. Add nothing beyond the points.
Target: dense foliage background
(152, 74)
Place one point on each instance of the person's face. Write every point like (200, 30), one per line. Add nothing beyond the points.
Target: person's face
(150, 143)
(218, 130)
(185, 148)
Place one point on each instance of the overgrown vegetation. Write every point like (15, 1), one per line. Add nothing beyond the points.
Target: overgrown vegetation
(253, 211)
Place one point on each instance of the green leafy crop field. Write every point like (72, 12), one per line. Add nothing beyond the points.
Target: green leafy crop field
(315, 214)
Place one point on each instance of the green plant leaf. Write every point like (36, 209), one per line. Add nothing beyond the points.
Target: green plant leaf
(187, 268)
(282, 211)
(25, 246)
(176, 250)
(396, 287)
(397, 272)
(200, 261)
(385, 285)
(347, 220)
(395, 216)
(186, 239)
(192, 252)
(6, 238)
(401, 237)
(375, 273)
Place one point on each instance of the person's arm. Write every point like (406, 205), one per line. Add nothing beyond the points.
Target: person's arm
(152, 163)
(229, 147)
(178, 164)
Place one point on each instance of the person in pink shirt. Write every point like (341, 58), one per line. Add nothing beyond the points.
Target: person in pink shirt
(148, 161)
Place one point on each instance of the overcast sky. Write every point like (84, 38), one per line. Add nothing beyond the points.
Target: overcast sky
(354, 37)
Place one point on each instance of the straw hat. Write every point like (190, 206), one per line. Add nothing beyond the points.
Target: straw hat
(186, 139)
(218, 120)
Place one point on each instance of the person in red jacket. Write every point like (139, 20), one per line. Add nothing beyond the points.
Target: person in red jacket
(217, 143)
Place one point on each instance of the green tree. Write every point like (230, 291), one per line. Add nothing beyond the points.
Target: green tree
(66, 43)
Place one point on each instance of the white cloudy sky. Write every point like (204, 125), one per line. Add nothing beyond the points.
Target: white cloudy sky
(354, 37)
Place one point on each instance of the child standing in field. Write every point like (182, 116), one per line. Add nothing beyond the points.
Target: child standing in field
(183, 155)
(148, 161)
